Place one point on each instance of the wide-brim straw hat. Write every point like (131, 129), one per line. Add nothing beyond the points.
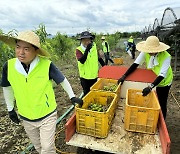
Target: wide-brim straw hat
(26, 36)
(152, 45)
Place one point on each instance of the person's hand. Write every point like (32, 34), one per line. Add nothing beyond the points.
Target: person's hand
(121, 79)
(89, 46)
(13, 116)
(146, 91)
(75, 100)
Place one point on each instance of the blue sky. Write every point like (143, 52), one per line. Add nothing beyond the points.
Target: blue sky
(74, 16)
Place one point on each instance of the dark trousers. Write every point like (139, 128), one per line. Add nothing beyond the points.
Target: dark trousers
(132, 48)
(86, 84)
(133, 52)
(106, 55)
(162, 93)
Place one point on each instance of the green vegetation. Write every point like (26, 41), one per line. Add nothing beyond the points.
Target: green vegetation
(61, 47)
(5, 53)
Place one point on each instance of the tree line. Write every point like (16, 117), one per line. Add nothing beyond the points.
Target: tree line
(61, 46)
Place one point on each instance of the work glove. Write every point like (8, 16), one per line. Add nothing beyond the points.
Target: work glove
(88, 48)
(13, 116)
(121, 79)
(146, 91)
(76, 100)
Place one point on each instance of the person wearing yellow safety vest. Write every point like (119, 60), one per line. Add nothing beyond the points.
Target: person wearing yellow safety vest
(131, 46)
(88, 57)
(106, 50)
(157, 59)
(28, 79)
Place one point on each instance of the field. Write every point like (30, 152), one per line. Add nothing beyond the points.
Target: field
(13, 138)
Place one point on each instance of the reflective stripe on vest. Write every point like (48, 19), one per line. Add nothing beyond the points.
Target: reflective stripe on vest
(160, 58)
(89, 70)
(104, 46)
(33, 93)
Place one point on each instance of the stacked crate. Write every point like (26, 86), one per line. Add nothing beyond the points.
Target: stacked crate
(95, 123)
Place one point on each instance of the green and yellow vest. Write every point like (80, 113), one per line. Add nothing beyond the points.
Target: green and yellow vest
(89, 70)
(156, 69)
(131, 40)
(33, 93)
(104, 46)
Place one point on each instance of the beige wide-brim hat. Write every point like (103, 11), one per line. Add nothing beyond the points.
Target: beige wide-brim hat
(26, 36)
(152, 45)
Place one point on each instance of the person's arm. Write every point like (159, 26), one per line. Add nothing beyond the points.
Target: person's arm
(59, 78)
(101, 61)
(8, 95)
(163, 72)
(148, 89)
(9, 99)
(67, 87)
(4, 81)
(165, 66)
(107, 46)
(131, 69)
(82, 57)
(55, 74)
(7, 89)
(139, 60)
(129, 44)
(156, 81)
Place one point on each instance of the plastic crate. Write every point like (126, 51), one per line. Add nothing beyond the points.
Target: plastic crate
(141, 113)
(118, 61)
(95, 123)
(99, 85)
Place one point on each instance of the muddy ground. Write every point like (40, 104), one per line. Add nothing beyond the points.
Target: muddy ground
(13, 138)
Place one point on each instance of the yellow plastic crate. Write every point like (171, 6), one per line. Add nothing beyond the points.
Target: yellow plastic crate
(118, 61)
(99, 85)
(141, 113)
(95, 123)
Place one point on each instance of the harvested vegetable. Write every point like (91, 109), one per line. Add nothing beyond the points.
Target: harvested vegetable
(110, 87)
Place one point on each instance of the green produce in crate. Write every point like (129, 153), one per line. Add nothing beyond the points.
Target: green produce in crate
(96, 107)
(110, 87)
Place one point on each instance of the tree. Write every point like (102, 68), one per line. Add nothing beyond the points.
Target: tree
(41, 32)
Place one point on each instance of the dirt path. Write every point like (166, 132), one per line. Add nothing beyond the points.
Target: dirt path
(13, 138)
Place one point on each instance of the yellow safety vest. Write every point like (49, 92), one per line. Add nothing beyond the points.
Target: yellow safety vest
(131, 40)
(89, 70)
(156, 69)
(33, 93)
(104, 47)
